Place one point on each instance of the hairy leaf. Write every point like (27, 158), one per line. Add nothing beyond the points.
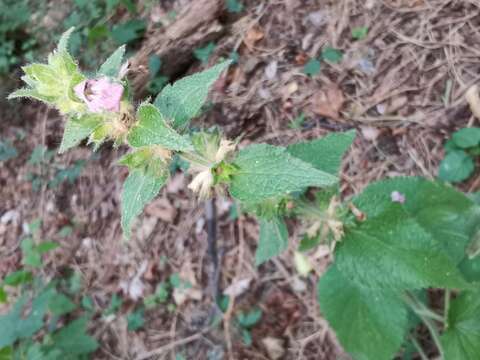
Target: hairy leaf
(73, 340)
(467, 137)
(461, 340)
(392, 250)
(456, 166)
(77, 129)
(182, 101)
(447, 214)
(266, 171)
(370, 324)
(140, 187)
(326, 153)
(111, 66)
(273, 239)
(152, 129)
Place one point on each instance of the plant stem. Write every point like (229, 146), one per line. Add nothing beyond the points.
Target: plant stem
(211, 216)
(446, 308)
(426, 315)
(420, 351)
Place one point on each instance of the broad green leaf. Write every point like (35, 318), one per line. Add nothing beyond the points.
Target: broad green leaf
(470, 269)
(447, 214)
(152, 129)
(467, 137)
(112, 65)
(19, 277)
(61, 305)
(267, 171)
(359, 33)
(273, 239)
(456, 166)
(128, 31)
(135, 320)
(370, 324)
(77, 129)
(3, 295)
(203, 54)
(140, 187)
(24, 93)
(250, 318)
(392, 250)
(234, 6)
(46, 246)
(332, 55)
(23, 321)
(325, 153)
(312, 67)
(182, 101)
(6, 353)
(73, 340)
(461, 340)
(154, 65)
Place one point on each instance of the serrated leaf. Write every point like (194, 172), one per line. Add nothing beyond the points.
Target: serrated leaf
(152, 129)
(447, 214)
(182, 101)
(456, 166)
(203, 54)
(18, 278)
(267, 171)
(467, 137)
(461, 340)
(370, 324)
(112, 65)
(73, 340)
(135, 320)
(325, 153)
(128, 31)
(63, 42)
(273, 239)
(61, 305)
(250, 318)
(21, 324)
(25, 93)
(360, 32)
(140, 187)
(392, 250)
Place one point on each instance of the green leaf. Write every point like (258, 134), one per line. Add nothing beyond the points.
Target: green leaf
(273, 239)
(128, 31)
(135, 320)
(204, 53)
(73, 340)
(3, 295)
(267, 171)
(115, 304)
(332, 55)
(470, 269)
(140, 187)
(456, 166)
(461, 340)
(467, 137)
(61, 305)
(24, 321)
(152, 129)
(77, 129)
(370, 324)
(326, 153)
(234, 6)
(154, 65)
(360, 32)
(19, 277)
(6, 353)
(182, 101)
(111, 66)
(392, 250)
(63, 42)
(447, 214)
(312, 67)
(46, 246)
(7, 151)
(249, 319)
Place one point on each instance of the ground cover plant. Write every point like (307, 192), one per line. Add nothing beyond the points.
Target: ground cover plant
(391, 242)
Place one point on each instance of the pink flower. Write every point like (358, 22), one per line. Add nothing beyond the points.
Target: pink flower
(100, 94)
(397, 197)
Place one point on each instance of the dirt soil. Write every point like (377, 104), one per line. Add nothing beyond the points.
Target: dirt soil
(402, 88)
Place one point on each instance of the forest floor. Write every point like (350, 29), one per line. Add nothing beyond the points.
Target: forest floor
(401, 85)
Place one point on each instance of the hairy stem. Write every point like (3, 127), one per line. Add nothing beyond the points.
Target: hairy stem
(446, 308)
(211, 215)
(418, 347)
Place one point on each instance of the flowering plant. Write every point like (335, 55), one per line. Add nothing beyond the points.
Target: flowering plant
(391, 243)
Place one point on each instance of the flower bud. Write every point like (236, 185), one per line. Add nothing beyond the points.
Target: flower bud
(202, 184)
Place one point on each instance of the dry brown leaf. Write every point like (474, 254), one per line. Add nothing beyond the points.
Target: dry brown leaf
(473, 100)
(254, 35)
(328, 102)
